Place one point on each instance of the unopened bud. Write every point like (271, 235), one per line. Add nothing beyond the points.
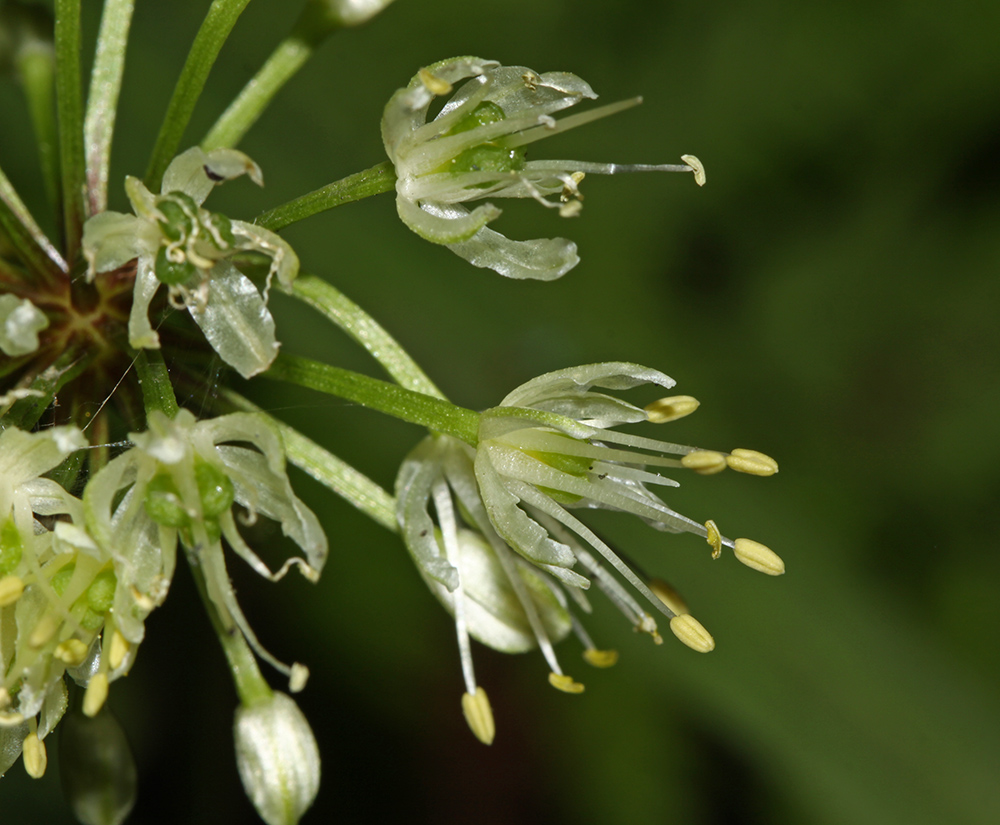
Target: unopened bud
(479, 715)
(277, 757)
(758, 556)
(690, 631)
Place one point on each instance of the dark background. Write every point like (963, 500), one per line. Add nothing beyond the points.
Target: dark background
(831, 297)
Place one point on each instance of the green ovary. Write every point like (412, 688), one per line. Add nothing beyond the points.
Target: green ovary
(491, 156)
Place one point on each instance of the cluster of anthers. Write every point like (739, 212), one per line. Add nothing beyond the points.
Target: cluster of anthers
(492, 531)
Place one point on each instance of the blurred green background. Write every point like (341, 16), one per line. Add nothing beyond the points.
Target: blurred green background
(831, 297)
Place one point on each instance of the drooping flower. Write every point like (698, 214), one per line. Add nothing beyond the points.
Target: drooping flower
(475, 149)
(181, 481)
(491, 531)
(177, 243)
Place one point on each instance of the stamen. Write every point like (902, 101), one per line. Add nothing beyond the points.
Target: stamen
(71, 653)
(479, 715)
(669, 596)
(672, 408)
(571, 122)
(705, 462)
(697, 167)
(435, 85)
(449, 535)
(758, 556)
(601, 658)
(752, 462)
(565, 683)
(44, 630)
(117, 650)
(714, 538)
(35, 757)
(690, 631)
(298, 677)
(95, 695)
(11, 589)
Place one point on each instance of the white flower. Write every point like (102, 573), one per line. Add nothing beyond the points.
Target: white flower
(178, 243)
(180, 481)
(490, 530)
(474, 149)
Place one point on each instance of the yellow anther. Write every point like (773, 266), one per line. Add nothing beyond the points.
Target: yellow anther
(479, 715)
(531, 79)
(758, 556)
(72, 652)
(35, 758)
(570, 209)
(565, 683)
(4, 697)
(714, 538)
(601, 658)
(672, 408)
(44, 630)
(752, 462)
(298, 677)
(435, 85)
(670, 597)
(704, 462)
(690, 631)
(118, 650)
(95, 694)
(697, 167)
(11, 588)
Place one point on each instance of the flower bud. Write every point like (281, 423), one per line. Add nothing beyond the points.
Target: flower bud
(278, 759)
(96, 766)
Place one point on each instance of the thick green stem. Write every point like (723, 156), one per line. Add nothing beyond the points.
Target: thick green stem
(415, 407)
(290, 55)
(218, 23)
(102, 102)
(364, 329)
(380, 178)
(69, 105)
(157, 389)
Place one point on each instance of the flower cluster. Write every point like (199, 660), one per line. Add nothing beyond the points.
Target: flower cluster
(475, 148)
(502, 544)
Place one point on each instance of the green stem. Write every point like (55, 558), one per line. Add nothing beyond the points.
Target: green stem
(37, 68)
(391, 399)
(380, 178)
(102, 102)
(250, 683)
(29, 242)
(290, 55)
(218, 23)
(364, 329)
(334, 473)
(69, 105)
(157, 390)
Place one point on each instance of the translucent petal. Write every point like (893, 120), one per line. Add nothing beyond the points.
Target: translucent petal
(611, 375)
(236, 321)
(196, 172)
(111, 240)
(444, 224)
(141, 334)
(20, 323)
(542, 259)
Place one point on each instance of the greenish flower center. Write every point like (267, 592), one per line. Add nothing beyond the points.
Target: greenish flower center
(491, 156)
